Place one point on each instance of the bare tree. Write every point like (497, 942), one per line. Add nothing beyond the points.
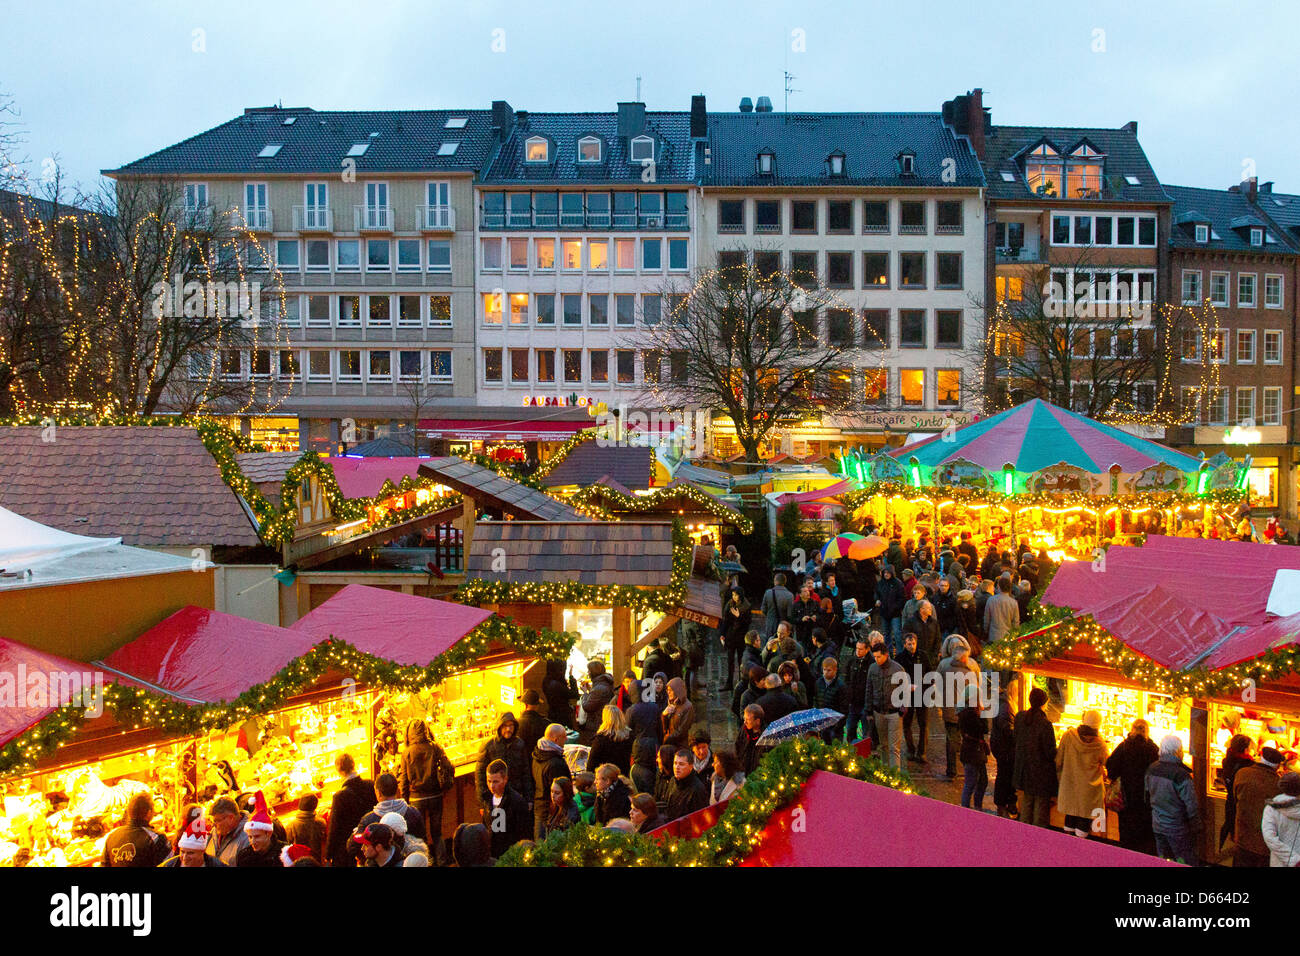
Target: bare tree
(748, 342)
(418, 396)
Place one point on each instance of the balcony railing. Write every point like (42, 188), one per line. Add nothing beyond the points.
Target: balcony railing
(255, 218)
(197, 217)
(313, 219)
(435, 218)
(373, 218)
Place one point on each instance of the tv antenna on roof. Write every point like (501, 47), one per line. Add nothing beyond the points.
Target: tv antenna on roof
(789, 89)
(638, 87)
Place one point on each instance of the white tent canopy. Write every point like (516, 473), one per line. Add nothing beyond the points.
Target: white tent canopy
(25, 543)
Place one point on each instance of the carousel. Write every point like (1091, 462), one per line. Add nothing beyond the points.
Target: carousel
(1046, 477)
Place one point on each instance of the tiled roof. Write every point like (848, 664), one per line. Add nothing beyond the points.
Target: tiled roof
(1282, 208)
(588, 552)
(318, 142)
(1230, 215)
(672, 150)
(152, 487)
(870, 142)
(266, 467)
(486, 487)
(1123, 153)
(588, 462)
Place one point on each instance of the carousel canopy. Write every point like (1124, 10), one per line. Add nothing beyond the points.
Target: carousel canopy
(402, 628)
(1038, 435)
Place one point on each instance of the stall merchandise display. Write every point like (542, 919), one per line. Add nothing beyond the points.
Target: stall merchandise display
(1119, 707)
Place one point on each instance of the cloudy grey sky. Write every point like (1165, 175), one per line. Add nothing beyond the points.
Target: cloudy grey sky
(1210, 83)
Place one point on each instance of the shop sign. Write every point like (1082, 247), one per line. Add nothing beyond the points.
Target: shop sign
(698, 617)
(1061, 479)
(1161, 477)
(960, 473)
(559, 401)
(910, 421)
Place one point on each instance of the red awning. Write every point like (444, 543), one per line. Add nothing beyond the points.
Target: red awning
(364, 477)
(204, 656)
(817, 494)
(854, 823)
(403, 628)
(468, 429)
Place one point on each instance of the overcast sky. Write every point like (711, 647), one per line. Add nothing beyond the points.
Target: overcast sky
(1211, 84)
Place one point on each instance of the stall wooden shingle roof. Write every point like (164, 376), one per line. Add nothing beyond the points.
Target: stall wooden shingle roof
(150, 486)
(588, 462)
(486, 487)
(639, 554)
(266, 467)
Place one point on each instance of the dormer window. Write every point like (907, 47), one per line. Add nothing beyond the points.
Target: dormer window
(835, 164)
(766, 164)
(1256, 236)
(1202, 232)
(642, 149)
(537, 149)
(1043, 171)
(907, 163)
(589, 149)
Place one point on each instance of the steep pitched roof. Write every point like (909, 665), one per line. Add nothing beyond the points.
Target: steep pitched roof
(870, 142)
(1004, 145)
(150, 486)
(266, 466)
(587, 552)
(487, 487)
(588, 462)
(317, 141)
(1230, 215)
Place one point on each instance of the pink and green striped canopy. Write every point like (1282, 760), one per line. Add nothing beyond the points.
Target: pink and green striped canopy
(1037, 435)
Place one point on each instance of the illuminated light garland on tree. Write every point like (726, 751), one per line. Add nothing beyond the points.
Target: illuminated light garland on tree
(775, 783)
(135, 707)
(594, 497)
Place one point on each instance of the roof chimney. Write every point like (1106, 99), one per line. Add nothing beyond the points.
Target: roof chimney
(1266, 188)
(764, 105)
(746, 105)
(976, 120)
(699, 118)
(1130, 127)
(503, 117)
(631, 119)
(1249, 187)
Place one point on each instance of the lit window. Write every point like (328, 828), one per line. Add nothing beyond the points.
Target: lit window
(1043, 171)
(589, 149)
(492, 308)
(537, 150)
(269, 150)
(911, 382)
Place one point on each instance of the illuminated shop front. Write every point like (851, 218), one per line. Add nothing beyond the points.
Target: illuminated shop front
(275, 433)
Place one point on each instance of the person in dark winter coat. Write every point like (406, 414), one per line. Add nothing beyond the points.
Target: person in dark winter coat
(303, 828)
(945, 607)
(562, 811)
(349, 804)
(778, 605)
(136, 844)
(1129, 764)
(856, 673)
(736, 618)
(689, 792)
(532, 723)
(548, 765)
(613, 741)
(1002, 743)
(388, 801)
(973, 752)
(751, 728)
(1035, 773)
(656, 660)
(916, 665)
(613, 796)
(424, 776)
(506, 812)
(1253, 787)
(1170, 792)
(1238, 756)
(559, 694)
(831, 694)
(471, 846)
(776, 699)
(643, 765)
(643, 716)
(807, 611)
(678, 715)
(889, 602)
(990, 564)
(645, 813)
(593, 705)
(505, 745)
(664, 773)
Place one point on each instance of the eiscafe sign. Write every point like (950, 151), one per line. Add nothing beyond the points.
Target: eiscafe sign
(910, 421)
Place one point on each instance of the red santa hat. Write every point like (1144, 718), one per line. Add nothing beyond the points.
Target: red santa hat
(292, 854)
(261, 818)
(195, 836)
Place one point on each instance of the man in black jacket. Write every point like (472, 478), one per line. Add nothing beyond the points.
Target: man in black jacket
(505, 746)
(135, 844)
(613, 796)
(348, 806)
(776, 700)
(559, 695)
(689, 793)
(747, 740)
(532, 723)
(1035, 772)
(855, 679)
(505, 812)
(642, 715)
(548, 766)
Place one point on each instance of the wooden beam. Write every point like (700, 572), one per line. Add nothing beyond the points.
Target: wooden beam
(669, 621)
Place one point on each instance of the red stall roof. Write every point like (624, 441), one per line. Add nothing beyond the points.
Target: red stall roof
(1183, 602)
(462, 429)
(202, 656)
(403, 628)
(19, 663)
(847, 822)
(817, 494)
(364, 477)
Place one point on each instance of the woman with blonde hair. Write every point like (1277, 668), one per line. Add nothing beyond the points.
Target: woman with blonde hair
(613, 741)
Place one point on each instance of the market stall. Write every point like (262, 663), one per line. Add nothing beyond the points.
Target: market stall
(1041, 474)
(1152, 634)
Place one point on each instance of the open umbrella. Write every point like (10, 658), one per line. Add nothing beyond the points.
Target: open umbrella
(799, 723)
(868, 548)
(838, 546)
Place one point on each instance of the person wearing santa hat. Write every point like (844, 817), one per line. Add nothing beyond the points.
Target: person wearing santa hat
(192, 846)
(263, 848)
(297, 855)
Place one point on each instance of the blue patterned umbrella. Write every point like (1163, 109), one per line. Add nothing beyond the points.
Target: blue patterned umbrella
(799, 723)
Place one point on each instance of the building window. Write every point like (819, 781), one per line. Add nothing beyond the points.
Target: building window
(1272, 408)
(545, 366)
(380, 366)
(518, 366)
(803, 216)
(318, 312)
(652, 255)
(492, 366)
(947, 387)
(651, 308)
(911, 328)
(318, 255)
(650, 213)
(572, 304)
(408, 255)
(1044, 171)
(546, 210)
(286, 255)
(1217, 405)
(289, 367)
(766, 164)
(347, 254)
(1216, 348)
(350, 311)
(947, 328)
(492, 306)
(839, 270)
(625, 310)
(379, 255)
(731, 215)
(598, 310)
(875, 270)
(839, 216)
(836, 161)
(1202, 232)
(1189, 405)
(948, 270)
(875, 217)
(839, 327)
(537, 149)
(572, 366)
(678, 255)
(1246, 405)
(1219, 288)
(911, 387)
(544, 255)
(440, 311)
(948, 217)
(439, 255)
(1191, 287)
(350, 365)
(1273, 347)
(1010, 288)
(875, 328)
(319, 365)
(572, 255)
(625, 255)
(546, 309)
(589, 149)
(626, 360)
(519, 308)
(599, 365)
(379, 312)
(1245, 290)
(911, 270)
(408, 312)
(642, 149)
(490, 261)
(1272, 292)
(598, 255)
(803, 269)
(517, 249)
(1245, 346)
(911, 218)
(875, 386)
(1191, 346)
(598, 210)
(440, 366)
(651, 367)
(1256, 236)
(767, 216)
(196, 197)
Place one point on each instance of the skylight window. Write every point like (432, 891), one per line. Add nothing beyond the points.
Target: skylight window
(455, 122)
(269, 150)
(448, 149)
(358, 149)
(289, 121)
(1132, 180)
(1008, 176)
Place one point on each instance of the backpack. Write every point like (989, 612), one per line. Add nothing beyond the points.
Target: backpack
(446, 772)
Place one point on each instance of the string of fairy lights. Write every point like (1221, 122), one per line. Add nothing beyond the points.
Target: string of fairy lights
(1025, 500)
(608, 502)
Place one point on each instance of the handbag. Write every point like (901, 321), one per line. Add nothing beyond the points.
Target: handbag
(1115, 796)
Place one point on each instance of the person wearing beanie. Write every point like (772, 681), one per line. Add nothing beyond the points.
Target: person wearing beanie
(1171, 794)
(1080, 766)
(471, 845)
(532, 722)
(702, 751)
(263, 848)
(303, 827)
(291, 854)
(403, 840)
(191, 848)
(379, 846)
(1253, 787)
(416, 859)
(1035, 770)
(1281, 822)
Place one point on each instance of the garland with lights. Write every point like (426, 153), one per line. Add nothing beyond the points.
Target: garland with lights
(594, 498)
(137, 707)
(775, 783)
(1159, 500)
(561, 453)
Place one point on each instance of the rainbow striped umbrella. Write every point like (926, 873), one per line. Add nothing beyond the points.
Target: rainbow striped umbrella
(838, 546)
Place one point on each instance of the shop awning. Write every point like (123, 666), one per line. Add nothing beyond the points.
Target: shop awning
(817, 494)
(403, 628)
(365, 477)
(202, 656)
(469, 429)
(864, 824)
